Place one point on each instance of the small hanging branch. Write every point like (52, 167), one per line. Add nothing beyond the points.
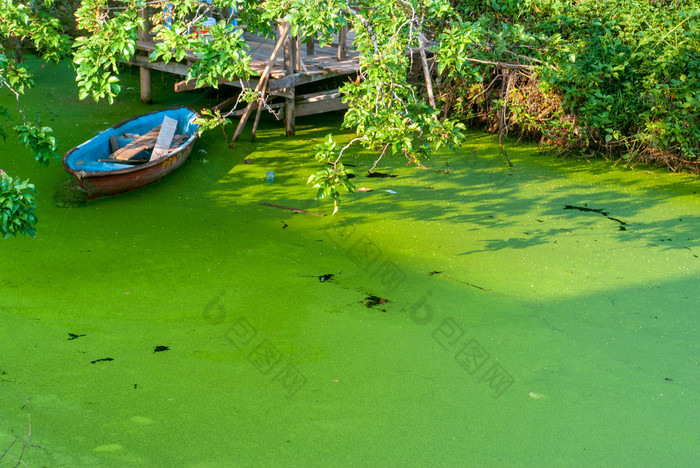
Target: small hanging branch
(508, 77)
(506, 65)
(426, 69)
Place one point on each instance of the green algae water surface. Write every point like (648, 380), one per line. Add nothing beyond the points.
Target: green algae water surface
(540, 315)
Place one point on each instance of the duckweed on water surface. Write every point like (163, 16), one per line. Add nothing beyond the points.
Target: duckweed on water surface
(517, 331)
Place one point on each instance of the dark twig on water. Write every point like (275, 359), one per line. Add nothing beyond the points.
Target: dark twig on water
(296, 210)
(27, 434)
(439, 273)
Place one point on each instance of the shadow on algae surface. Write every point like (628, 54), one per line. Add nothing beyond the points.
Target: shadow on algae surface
(540, 315)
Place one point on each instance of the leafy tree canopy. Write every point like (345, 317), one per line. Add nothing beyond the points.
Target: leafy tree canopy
(620, 76)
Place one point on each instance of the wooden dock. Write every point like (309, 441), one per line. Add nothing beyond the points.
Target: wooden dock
(282, 64)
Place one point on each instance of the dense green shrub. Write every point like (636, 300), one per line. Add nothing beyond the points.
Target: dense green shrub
(16, 207)
(620, 76)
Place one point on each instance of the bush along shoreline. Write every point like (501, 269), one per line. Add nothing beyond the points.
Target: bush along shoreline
(617, 78)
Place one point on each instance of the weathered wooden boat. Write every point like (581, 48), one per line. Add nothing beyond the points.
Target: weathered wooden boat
(133, 153)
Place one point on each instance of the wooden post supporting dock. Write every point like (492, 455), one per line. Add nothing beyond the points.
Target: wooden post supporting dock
(144, 72)
(291, 55)
(15, 43)
(343, 44)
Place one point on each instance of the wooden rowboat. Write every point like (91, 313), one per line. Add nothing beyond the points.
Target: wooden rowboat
(133, 153)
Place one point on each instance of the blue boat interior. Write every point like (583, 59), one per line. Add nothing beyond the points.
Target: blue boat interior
(86, 156)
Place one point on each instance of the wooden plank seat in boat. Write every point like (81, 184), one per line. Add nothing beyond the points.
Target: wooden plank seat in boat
(142, 143)
(160, 139)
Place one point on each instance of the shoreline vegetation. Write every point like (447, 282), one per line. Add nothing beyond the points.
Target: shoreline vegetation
(618, 79)
(615, 79)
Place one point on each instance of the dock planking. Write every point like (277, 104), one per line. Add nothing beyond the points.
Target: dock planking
(299, 66)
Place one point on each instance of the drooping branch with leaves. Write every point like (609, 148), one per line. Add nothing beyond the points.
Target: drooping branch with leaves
(392, 112)
(32, 22)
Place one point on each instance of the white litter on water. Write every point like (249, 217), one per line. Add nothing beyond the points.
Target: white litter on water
(203, 151)
(390, 191)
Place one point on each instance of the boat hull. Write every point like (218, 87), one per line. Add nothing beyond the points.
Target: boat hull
(104, 183)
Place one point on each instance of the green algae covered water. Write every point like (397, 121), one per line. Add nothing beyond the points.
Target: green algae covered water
(480, 315)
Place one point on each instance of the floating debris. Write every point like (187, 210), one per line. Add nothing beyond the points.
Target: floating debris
(536, 396)
(73, 336)
(380, 175)
(373, 301)
(326, 277)
(100, 360)
(160, 349)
